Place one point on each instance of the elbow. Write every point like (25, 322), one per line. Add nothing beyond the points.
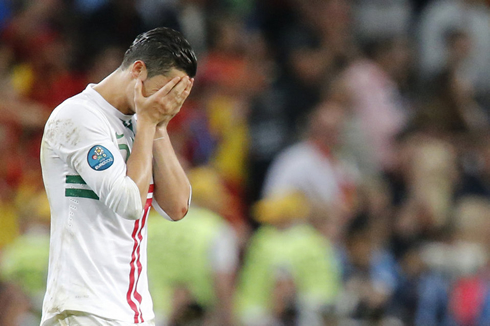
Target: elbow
(178, 212)
(133, 215)
(172, 212)
(125, 200)
(180, 206)
(131, 212)
(174, 209)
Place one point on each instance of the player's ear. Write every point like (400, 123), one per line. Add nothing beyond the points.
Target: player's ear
(138, 70)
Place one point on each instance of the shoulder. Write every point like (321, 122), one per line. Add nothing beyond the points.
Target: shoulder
(76, 108)
(72, 117)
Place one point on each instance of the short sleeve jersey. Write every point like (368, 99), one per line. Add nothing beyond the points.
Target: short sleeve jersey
(98, 244)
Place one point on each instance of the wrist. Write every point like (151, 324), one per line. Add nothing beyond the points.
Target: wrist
(161, 130)
(163, 124)
(145, 130)
(160, 133)
(144, 124)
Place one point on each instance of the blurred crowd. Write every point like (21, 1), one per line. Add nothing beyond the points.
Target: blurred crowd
(339, 153)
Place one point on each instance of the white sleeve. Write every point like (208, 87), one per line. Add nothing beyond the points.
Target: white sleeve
(84, 140)
(163, 213)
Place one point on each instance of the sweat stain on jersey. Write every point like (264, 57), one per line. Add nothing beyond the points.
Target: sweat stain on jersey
(62, 129)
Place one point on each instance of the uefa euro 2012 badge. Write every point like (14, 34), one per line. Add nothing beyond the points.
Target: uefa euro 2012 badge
(99, 158)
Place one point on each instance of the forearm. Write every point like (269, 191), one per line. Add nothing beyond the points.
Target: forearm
(140, 165)
(172, 188)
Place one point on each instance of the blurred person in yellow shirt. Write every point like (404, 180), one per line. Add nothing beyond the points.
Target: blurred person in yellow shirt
(192, 264)
(290, 274)
(24, 261)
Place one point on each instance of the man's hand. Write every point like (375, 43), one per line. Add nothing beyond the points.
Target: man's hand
(160, 107)
(152, 111)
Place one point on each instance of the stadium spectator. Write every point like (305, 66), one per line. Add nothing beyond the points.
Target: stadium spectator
(421, 294)
(314, 166)
(373, 84)
(290, 274)
(369, 275)
(440, 17)
(193, 264)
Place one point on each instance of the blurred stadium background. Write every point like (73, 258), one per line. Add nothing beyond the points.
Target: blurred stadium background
(339, 153)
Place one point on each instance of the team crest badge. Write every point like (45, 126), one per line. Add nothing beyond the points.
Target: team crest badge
(99, 158)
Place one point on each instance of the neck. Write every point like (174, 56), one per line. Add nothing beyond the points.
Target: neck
(113, 90)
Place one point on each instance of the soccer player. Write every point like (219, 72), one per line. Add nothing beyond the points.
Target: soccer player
(106, 159)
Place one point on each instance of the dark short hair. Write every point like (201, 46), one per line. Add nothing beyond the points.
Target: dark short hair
(162, 49)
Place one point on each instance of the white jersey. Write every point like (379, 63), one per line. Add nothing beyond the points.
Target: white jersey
(98, 226)
(303, 167)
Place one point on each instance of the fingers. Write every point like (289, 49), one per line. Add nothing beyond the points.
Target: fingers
(180, 87)
(175, 88)
(182, 90)
(178, 94)
(189, 86)
(187, 90)
(168, 100)
(138, 88)
(165, 90)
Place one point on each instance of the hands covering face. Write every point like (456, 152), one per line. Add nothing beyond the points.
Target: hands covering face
(160, 107)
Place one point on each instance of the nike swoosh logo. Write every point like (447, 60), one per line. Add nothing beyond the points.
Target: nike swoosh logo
(119, 136)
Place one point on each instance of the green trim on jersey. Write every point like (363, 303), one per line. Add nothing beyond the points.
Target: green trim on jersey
(75, 192)
(128, 124)
(125, 147)
(82, 193)
(75, 179)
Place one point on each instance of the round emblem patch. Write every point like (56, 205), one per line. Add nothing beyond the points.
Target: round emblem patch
(99, 158)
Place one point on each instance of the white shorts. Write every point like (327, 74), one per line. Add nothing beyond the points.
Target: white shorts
(78, 318)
